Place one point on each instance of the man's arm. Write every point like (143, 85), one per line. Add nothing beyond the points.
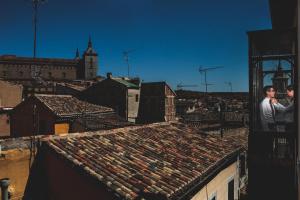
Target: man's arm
(279, 107)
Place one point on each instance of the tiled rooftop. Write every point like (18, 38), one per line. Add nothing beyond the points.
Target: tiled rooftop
(103, 122)
(74, 86)
(66, 105)
(157, 159)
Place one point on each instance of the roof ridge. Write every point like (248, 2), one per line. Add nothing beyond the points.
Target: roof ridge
(53, 95)
(107, 132)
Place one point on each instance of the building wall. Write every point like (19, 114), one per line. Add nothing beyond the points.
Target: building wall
(10, 94)
(170, 109)
(12, 70)
(219, 185)
(4, 124)
(157, 103)
(64, 181)
(15, 70)
(297, 20)
(14, 164)
(22, 119)
(133, 104)
(107, 93)
(90, 66)
(59, 72)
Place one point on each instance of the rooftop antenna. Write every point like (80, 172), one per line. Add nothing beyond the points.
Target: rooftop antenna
(126, 58)
(229, 84)
(204, 71)
(35, 4)
(180, 86)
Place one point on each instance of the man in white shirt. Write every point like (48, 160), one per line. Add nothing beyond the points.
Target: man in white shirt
(267, 109)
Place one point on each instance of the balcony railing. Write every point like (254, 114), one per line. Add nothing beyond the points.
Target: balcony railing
(273, 146)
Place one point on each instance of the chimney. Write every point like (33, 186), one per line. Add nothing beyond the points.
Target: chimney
(109, 75)
(4, 183)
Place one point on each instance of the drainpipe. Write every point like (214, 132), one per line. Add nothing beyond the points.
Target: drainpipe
(4, 183)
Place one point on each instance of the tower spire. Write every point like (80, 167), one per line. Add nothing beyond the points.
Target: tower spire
(90, 41)
(77, 54)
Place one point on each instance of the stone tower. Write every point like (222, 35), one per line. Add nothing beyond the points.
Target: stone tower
(90, 62)
(280, 80)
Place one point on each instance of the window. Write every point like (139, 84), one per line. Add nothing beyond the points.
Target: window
(231, 190)
(4, 73)
(136, 98)
(91, 63)
(49, 74)
(213, 196)
(64, 74)
(21, 74)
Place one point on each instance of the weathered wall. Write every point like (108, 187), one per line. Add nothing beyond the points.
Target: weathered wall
(22, 119)
(157, 103)
(4, 124)
(170, 109)
(10, 94)
(14, 164)
(107, 93)
(133, 104)
(13, 70)
(219, 185)
(64, 181)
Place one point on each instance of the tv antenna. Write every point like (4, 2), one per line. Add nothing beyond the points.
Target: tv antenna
(180, 86)
(126, 58)
(204, 71)
(35, 4)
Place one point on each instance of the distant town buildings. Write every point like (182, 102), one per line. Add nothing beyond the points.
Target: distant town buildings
(25, 68)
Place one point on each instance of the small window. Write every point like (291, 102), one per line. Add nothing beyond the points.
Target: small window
(21, 74)
(136, 98)
(4, 73)
(64, 74)
(49, 74)
(7, 121)
(213, 196)
(91, 63)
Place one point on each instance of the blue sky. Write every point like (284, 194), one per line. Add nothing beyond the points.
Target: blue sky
(172, 38)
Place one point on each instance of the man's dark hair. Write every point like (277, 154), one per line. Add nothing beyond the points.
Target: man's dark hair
(267, 89)
(290, 88)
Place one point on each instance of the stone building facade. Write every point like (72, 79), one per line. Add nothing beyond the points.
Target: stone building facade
(118, 93)
(157, 103)
(13, 67)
